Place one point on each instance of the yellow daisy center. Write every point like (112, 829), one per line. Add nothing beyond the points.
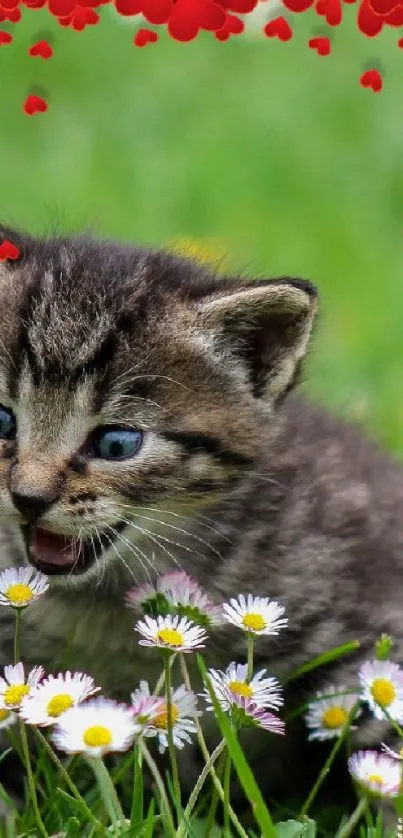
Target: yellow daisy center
(59, 704)
(383, 691)
(171, 637)
(376, 779)
(97, 736)
(161, 719)
(241, 688)
(14, 694)
(254, 622)
(4, 714)
(19, 594)
(334, 717)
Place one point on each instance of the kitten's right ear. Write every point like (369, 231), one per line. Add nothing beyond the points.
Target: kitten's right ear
(266, 324)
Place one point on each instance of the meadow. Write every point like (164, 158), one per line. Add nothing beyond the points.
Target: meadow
(269, 159)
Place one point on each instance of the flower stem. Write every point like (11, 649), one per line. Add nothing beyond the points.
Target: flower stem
(161, 680)
(108, 793)
(227, 784)
(69, 782)
(24, 738)
(183, 826)
(353, 820)
(159, 783)
(171, 746)
(329, 762)
(17, 634)
(206, 754)
(31, 781)
(250, 644)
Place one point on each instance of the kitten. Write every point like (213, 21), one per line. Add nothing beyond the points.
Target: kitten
(147, 422)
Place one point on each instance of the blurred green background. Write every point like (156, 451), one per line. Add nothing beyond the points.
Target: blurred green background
(262, 152)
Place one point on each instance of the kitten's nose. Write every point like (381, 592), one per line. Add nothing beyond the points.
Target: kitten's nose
(32, 504)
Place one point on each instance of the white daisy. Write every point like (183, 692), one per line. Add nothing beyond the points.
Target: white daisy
(264, 692)
(382, 688)
(146, 706)
(247, 714)
(14, 687)
(186, 598)
(19, 586)
(255, 615)
(54, 696)
(183, 713)
(376, 772)
(171, 632)
(7, 718)
(95, 728)
(327, 715)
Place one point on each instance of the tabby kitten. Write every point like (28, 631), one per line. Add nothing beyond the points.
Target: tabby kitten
(146, 422)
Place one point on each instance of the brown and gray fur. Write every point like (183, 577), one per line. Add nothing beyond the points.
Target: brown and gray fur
(239, 481)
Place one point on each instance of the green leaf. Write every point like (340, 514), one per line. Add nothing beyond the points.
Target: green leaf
(72, 828)
(321, 660)
(289, 829)
(295, 829)
(136, 815)
(149, 824)
(246, 778)
(199, 829)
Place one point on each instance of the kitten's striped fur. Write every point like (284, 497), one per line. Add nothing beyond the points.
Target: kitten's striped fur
(238, 481)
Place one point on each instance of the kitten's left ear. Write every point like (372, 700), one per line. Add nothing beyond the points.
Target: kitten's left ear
(267, 324)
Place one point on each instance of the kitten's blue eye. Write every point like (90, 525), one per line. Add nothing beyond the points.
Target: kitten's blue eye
(116, 443)
(8, 425)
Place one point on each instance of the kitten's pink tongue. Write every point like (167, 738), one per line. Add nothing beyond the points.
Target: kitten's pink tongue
(52, 549)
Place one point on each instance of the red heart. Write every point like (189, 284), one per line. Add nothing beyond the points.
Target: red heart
(5, 38)
(8, 250)
(400, 43)
(80, 18)
(298, 5)
(330, 10)
(232, 26)
(322, 45)
(144, 37)
(35, 104)
(278, 28)
(42, 48)
(189, 16)
(155, 11)
(373, 79)
(240, 6)
(13, 15)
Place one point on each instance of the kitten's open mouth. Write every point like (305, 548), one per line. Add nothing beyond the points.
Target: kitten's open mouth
(56, 554)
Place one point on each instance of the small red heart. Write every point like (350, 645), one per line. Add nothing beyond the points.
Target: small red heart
(189, 16)
(373, 79)
(8, 250)
(5, 38)
(330, 10)
(13, 15)
(35, 104)
(42, 48)
(144, 37)
(232, 26)
(81, 17)
(322, 45)
(278, 28)
(400, 43)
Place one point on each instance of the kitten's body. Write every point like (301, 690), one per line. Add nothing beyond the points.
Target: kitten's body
(255, 493)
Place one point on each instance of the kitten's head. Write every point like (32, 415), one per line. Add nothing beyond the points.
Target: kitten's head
(132, 381)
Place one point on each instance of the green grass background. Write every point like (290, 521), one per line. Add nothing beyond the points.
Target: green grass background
(272, 153)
